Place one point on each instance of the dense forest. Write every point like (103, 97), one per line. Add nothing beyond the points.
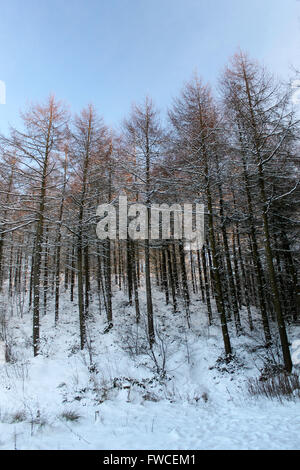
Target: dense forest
(234, 149)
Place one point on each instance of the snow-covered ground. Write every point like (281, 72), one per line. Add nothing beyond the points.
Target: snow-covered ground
(111, 397)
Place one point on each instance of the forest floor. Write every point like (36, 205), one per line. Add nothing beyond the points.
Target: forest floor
(116, 395)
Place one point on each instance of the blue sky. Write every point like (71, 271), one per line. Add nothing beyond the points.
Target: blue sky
(113, 52)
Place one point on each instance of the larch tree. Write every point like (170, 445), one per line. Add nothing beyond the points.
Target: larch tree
(37, 147)
(193, 117)
(264, 122)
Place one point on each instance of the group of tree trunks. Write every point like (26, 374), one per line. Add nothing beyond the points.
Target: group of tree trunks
(238, 155)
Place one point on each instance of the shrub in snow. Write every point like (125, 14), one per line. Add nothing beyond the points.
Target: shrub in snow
(70, 415)
(279, 386)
